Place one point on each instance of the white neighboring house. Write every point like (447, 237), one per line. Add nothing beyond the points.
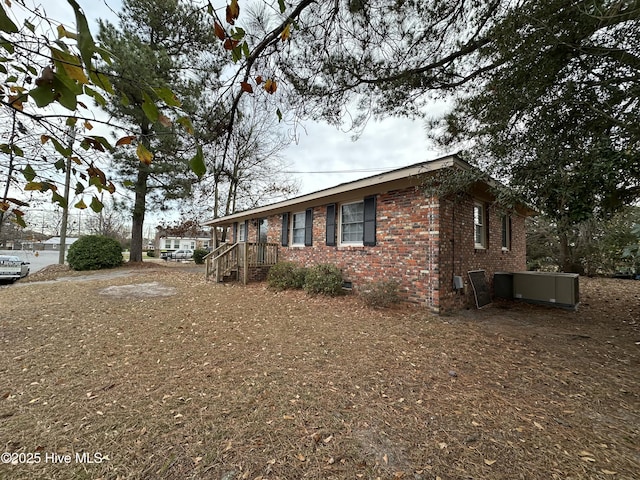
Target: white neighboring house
(187, 236)
(54, 243)
(170, 244)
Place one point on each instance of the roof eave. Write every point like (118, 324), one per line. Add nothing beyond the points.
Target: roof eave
(390, 177)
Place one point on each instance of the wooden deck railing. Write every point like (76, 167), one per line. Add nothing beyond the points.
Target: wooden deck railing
(260, 254)
(228, 258)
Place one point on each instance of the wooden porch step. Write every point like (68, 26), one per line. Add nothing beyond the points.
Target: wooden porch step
(231, 276)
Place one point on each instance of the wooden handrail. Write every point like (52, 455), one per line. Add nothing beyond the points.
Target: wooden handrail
(227, 257)
(235, 245)
(212, 253)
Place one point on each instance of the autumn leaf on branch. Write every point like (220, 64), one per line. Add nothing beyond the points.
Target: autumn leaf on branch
(219, 31)
(230, 44)
(270, 86)
(16, 101)
(286, 33)
(46, 77)
(144, 155)
(33, 186)
(70, 64)
(96, 205)
(233, 12)
(164, 121)
(128, 140)
(197, 163)
(95, 172)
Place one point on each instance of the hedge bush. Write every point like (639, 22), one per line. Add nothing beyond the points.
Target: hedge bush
(286, 275)
(95, 252)
(199, 254)
(325, 279)
(380, 294)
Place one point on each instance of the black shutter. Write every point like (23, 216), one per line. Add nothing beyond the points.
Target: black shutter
(285, 229)
(331, 225)
(308, 227)
(369, 221)
(486, 223)
(246, 231)
(235, 232)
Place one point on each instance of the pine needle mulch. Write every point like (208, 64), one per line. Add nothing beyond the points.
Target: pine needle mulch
(154, 374)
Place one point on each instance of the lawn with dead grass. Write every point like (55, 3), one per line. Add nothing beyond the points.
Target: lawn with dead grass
(155, 374)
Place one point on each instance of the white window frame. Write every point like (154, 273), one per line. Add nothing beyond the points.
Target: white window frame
(340, 225)
(505, 236)
(303, 215)
(479, 223)
(242, 235)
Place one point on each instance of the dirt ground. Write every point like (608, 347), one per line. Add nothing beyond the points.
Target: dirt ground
(152, 373)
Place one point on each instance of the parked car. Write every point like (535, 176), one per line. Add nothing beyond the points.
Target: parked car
(12, 268)
(182, 254)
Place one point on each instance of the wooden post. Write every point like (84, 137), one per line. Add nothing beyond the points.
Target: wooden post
(245, 260)
(217, 270)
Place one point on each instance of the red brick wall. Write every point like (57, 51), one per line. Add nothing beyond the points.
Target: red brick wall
(417, 245)
(458, 254)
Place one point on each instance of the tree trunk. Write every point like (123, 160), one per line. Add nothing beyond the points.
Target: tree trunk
(139, 208)
(10, 169)
(565, 260)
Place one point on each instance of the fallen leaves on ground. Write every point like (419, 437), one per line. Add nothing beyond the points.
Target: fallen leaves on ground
(231, 382)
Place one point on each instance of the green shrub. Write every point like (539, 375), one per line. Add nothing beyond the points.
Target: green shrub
(151, 253)
(199, 254)
(325, 279)
(95, 252)
(380, 294)
(286, 275)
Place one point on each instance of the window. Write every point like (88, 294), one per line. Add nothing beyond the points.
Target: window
(263, 228)
(167, 243)
(352, 223)
(356, 223)
(298, 228)
(479, 226)
(242, 232)
(506, 232)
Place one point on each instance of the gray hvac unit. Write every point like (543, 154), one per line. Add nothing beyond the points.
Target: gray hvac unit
(560, 289)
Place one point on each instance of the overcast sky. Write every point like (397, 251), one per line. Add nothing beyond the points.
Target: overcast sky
(385, 145)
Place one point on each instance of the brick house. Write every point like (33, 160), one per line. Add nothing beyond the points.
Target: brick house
(384, 227)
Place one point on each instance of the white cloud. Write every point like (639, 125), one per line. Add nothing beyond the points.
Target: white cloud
(93, 10)
(384, 145)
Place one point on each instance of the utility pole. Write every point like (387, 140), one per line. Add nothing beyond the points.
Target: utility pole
(65, 208)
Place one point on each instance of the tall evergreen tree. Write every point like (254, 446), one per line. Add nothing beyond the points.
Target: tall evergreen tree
(558, 114)
(167, 45)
